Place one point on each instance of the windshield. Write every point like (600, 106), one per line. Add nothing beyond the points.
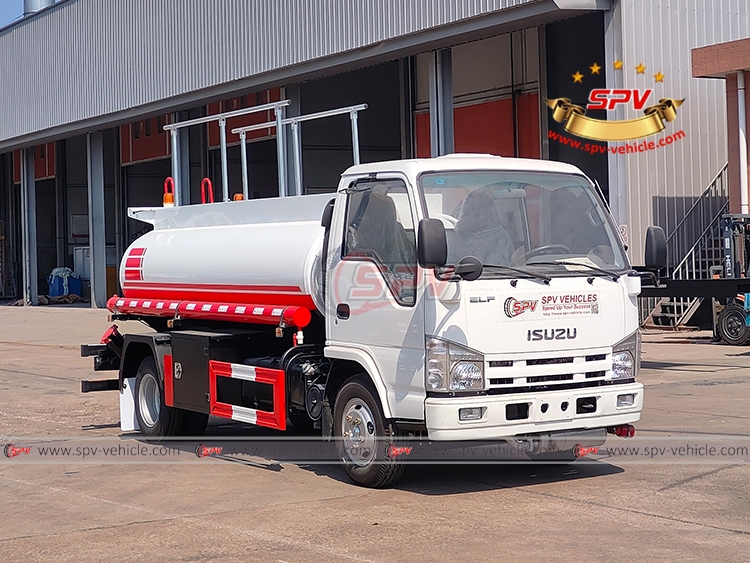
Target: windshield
(530, 220)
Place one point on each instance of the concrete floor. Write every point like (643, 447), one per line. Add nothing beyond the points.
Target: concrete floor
(233, 511)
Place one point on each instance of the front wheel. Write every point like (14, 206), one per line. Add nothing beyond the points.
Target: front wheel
(363, 440)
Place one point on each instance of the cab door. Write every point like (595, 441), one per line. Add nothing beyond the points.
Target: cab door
(374, 305)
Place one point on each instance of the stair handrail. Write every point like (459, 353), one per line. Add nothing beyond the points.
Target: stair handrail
(711, 184)
(714, 224)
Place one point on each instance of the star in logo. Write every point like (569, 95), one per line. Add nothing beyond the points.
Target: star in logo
(659, 77)
(578, 77)
(618, 64)
(640, 69)
(595, 68)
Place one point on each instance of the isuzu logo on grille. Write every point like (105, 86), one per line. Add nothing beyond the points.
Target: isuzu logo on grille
(514, 307)
(537, 334)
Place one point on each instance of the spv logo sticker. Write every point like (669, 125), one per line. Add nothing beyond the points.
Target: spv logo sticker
(514, 307)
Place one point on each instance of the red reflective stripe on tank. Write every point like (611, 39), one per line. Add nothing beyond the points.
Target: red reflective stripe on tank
(136, 262)
(133, 275)
(137, 252)
(138, 291)
(224, 287)
(168, 381)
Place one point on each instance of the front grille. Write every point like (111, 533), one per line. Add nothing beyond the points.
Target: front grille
(560, 387)
(548, 361)
(596, 357)
(543, 378)
(501, 381)
(548, 373)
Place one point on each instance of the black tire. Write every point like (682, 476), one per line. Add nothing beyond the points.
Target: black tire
(155, 419)
(371, 465)
(731, 325)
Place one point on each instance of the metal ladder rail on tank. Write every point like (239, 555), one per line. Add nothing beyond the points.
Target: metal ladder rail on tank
(294, 122)
(173, 128)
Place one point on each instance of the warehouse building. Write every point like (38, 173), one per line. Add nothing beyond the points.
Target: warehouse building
(89, 86)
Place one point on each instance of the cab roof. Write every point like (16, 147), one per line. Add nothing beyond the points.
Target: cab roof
(461, 161)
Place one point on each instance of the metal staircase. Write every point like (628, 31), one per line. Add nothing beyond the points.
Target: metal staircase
(697, 239)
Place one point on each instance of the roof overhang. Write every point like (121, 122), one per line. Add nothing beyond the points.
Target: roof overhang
(721, 59)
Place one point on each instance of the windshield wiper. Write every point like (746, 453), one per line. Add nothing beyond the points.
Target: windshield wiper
(527, 273)
(611, 275)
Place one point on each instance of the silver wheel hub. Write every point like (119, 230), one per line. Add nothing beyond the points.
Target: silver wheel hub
(358, 433)
(149, 400)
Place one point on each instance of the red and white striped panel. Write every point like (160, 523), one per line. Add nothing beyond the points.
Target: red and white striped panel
(273, 377)
(134, 264)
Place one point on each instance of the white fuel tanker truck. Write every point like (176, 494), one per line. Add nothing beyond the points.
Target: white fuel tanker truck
(466, 297)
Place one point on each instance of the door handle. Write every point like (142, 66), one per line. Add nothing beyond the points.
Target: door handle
(343, 311)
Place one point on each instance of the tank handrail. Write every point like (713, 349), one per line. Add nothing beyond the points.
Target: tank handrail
(174, 133)
(300, 118)
(206, 183)
(294, 122)
(226, 115)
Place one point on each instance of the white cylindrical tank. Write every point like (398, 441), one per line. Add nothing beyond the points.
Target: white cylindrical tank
(260, 252)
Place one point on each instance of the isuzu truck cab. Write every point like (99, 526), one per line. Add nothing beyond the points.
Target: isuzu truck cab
(465, 297)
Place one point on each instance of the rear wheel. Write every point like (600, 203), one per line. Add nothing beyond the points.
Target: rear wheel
(363, 439)
(731, 325)
(155, 419)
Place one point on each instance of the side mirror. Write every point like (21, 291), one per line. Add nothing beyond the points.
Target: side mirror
(655, 257)
(432, 246)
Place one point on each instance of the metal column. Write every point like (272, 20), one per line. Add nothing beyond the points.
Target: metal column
(441, 103)
(61, 201)
(97, 236)
(174, 136)
(742, 119)
(28, 228)
(293, 142)
(280, 150)
(618, 169)
(183, 195)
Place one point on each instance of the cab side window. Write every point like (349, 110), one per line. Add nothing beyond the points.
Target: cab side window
(379, 228)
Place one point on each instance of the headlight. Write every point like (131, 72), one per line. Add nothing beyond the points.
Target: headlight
(452, 367)
(622, 365)
(626, 357)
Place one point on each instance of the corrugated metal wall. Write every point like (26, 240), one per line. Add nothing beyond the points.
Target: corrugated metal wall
(89, 58)
(662, 184)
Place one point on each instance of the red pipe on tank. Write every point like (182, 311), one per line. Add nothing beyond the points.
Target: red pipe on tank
(291, 316)
(206, 183)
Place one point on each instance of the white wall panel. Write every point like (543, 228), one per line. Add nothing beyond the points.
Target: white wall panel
(88, 58)
(662, 184)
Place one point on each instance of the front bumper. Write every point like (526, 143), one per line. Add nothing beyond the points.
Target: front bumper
(442, 414)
